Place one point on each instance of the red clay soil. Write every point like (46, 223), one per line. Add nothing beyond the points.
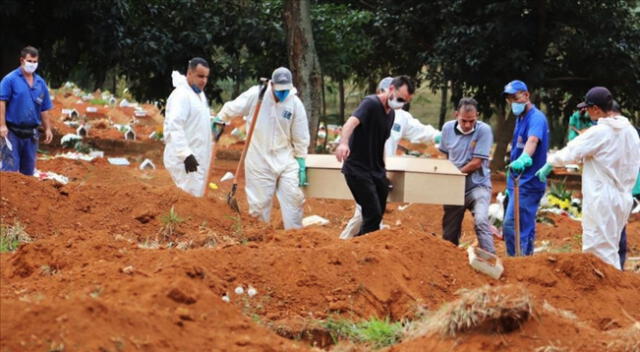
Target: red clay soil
(104, 272)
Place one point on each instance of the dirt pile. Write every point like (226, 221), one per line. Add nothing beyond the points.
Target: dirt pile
(103, 273)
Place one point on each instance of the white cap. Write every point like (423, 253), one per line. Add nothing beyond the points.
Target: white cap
(282, 79)
(385, 83)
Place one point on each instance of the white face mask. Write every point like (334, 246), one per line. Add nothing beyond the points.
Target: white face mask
(30, 67)
(459, 128)
(395, 104)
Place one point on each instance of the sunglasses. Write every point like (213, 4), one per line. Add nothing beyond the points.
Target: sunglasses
(400, 100)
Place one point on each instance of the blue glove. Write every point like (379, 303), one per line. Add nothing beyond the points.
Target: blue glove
(521, 163)
(302, 172)
(544, 172)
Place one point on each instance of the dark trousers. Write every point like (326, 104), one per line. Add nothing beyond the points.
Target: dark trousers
(23, 155)
(370, 193)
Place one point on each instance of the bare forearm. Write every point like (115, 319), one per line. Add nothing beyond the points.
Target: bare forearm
(471, 166)
(347, 129)
(3, 106)
(46, 122)
(530, 146)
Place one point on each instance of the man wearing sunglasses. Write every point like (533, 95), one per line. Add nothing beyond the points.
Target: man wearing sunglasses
(528, 153)
(609, 151)
(405, 126)
(361, 149)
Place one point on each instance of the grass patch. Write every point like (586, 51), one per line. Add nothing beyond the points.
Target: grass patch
(98, 101)
(376, 332)
(170, 223)
(488, 309)
(237, 230)
(12, 236)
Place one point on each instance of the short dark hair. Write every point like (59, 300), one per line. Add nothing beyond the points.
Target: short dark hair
(467, 102)
(615, 107)
(404, 80)
(28, 50)
(606, 107)
(193, 63)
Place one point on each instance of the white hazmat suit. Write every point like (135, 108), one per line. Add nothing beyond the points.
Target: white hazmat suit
(281, 135)
(404, 126)
(610, 152)
(187, 131)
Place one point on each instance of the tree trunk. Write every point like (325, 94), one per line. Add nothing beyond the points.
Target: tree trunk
(236, 87)
(101, 76)
(324, 102)
(503, 134)
(341, 100)
(115, 82)
(303, 61)
(372, 86)
(443, 105)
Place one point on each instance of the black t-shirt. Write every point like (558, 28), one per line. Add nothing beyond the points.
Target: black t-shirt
(368, 138)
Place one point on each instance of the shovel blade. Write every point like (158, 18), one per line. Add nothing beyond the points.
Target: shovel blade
(231, 199)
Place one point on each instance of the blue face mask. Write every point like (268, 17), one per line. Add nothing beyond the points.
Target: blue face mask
(196, 89)
(281, 94)
(518, 108)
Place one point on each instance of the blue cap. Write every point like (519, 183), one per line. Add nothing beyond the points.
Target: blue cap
(514, 87)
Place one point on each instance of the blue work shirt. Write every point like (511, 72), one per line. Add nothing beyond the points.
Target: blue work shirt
(24, 103)
(533, 123)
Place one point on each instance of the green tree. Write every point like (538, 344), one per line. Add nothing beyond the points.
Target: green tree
(559, 49)
(340, 33)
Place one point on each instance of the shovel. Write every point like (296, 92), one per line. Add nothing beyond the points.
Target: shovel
(216, 137)
(516, 214)
(231, 197)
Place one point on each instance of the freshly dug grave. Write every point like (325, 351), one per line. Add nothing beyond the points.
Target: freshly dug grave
(91, 263)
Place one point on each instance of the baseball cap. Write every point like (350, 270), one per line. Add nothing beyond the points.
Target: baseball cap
(385, 83)
(514, 87)
(281, 78)
(598, 96)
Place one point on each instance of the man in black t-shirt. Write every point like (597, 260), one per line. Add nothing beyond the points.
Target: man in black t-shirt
(362, 149)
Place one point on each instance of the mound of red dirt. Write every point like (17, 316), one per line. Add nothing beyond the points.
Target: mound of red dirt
(103, 272)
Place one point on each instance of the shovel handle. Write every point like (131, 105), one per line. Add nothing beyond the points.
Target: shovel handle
(516, 214)
(256, 112)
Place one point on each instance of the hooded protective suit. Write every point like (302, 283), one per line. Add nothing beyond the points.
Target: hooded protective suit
(408, 127)
(281, 135)
(187, 131)
(609, 151)
(404, 126)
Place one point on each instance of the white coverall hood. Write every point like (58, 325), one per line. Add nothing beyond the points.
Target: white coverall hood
(187, 131)
(281, 134)
(609, 151)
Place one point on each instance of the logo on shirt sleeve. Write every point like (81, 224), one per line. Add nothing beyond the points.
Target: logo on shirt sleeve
(396, 127)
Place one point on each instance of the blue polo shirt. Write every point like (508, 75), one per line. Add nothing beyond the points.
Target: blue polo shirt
(24, 103)
(533, 123)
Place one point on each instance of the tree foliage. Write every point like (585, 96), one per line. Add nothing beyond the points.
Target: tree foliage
(559, 48)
